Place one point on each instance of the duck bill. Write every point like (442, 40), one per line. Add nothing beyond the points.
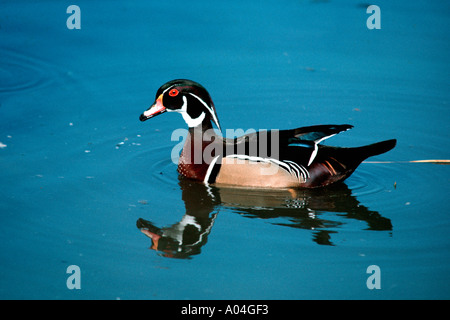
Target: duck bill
(154, 110)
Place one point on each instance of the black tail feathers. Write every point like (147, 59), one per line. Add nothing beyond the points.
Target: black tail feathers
(350, 158)
(376, 148)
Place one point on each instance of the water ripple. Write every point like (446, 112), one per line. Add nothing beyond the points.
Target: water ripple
(20, 72)
(365, 181)
(157, 164)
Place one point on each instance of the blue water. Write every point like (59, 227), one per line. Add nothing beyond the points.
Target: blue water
(78, 171)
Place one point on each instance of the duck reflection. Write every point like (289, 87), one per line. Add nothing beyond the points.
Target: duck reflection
(298, 208)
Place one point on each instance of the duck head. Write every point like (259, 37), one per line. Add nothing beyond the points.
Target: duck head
(186, 97)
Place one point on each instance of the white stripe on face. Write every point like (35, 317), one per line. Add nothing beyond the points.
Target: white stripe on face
(190, 121)
(211, 111)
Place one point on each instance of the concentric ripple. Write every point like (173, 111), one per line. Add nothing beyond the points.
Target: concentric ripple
(364, 181)
(20, 72)
(157, 165)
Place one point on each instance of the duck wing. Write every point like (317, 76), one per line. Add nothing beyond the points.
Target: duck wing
(279, 144)
(314, 133)
(302, 143)
(298, 145)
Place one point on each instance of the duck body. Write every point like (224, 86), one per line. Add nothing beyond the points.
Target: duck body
(267, 158)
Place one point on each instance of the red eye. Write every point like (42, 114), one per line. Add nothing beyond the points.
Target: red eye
(173, 92)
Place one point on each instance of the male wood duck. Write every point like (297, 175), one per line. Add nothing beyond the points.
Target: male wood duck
(271, 159)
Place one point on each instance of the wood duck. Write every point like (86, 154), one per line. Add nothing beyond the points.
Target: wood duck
(271, 159)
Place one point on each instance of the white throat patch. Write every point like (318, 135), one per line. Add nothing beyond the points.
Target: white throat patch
(190, 122)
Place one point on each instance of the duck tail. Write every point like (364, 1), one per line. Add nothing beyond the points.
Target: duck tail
(350, 158)
(376, 148)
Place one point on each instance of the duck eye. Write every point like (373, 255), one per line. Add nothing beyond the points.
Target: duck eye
(173, 92)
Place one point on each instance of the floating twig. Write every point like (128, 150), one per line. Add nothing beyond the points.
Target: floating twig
(435, 161)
